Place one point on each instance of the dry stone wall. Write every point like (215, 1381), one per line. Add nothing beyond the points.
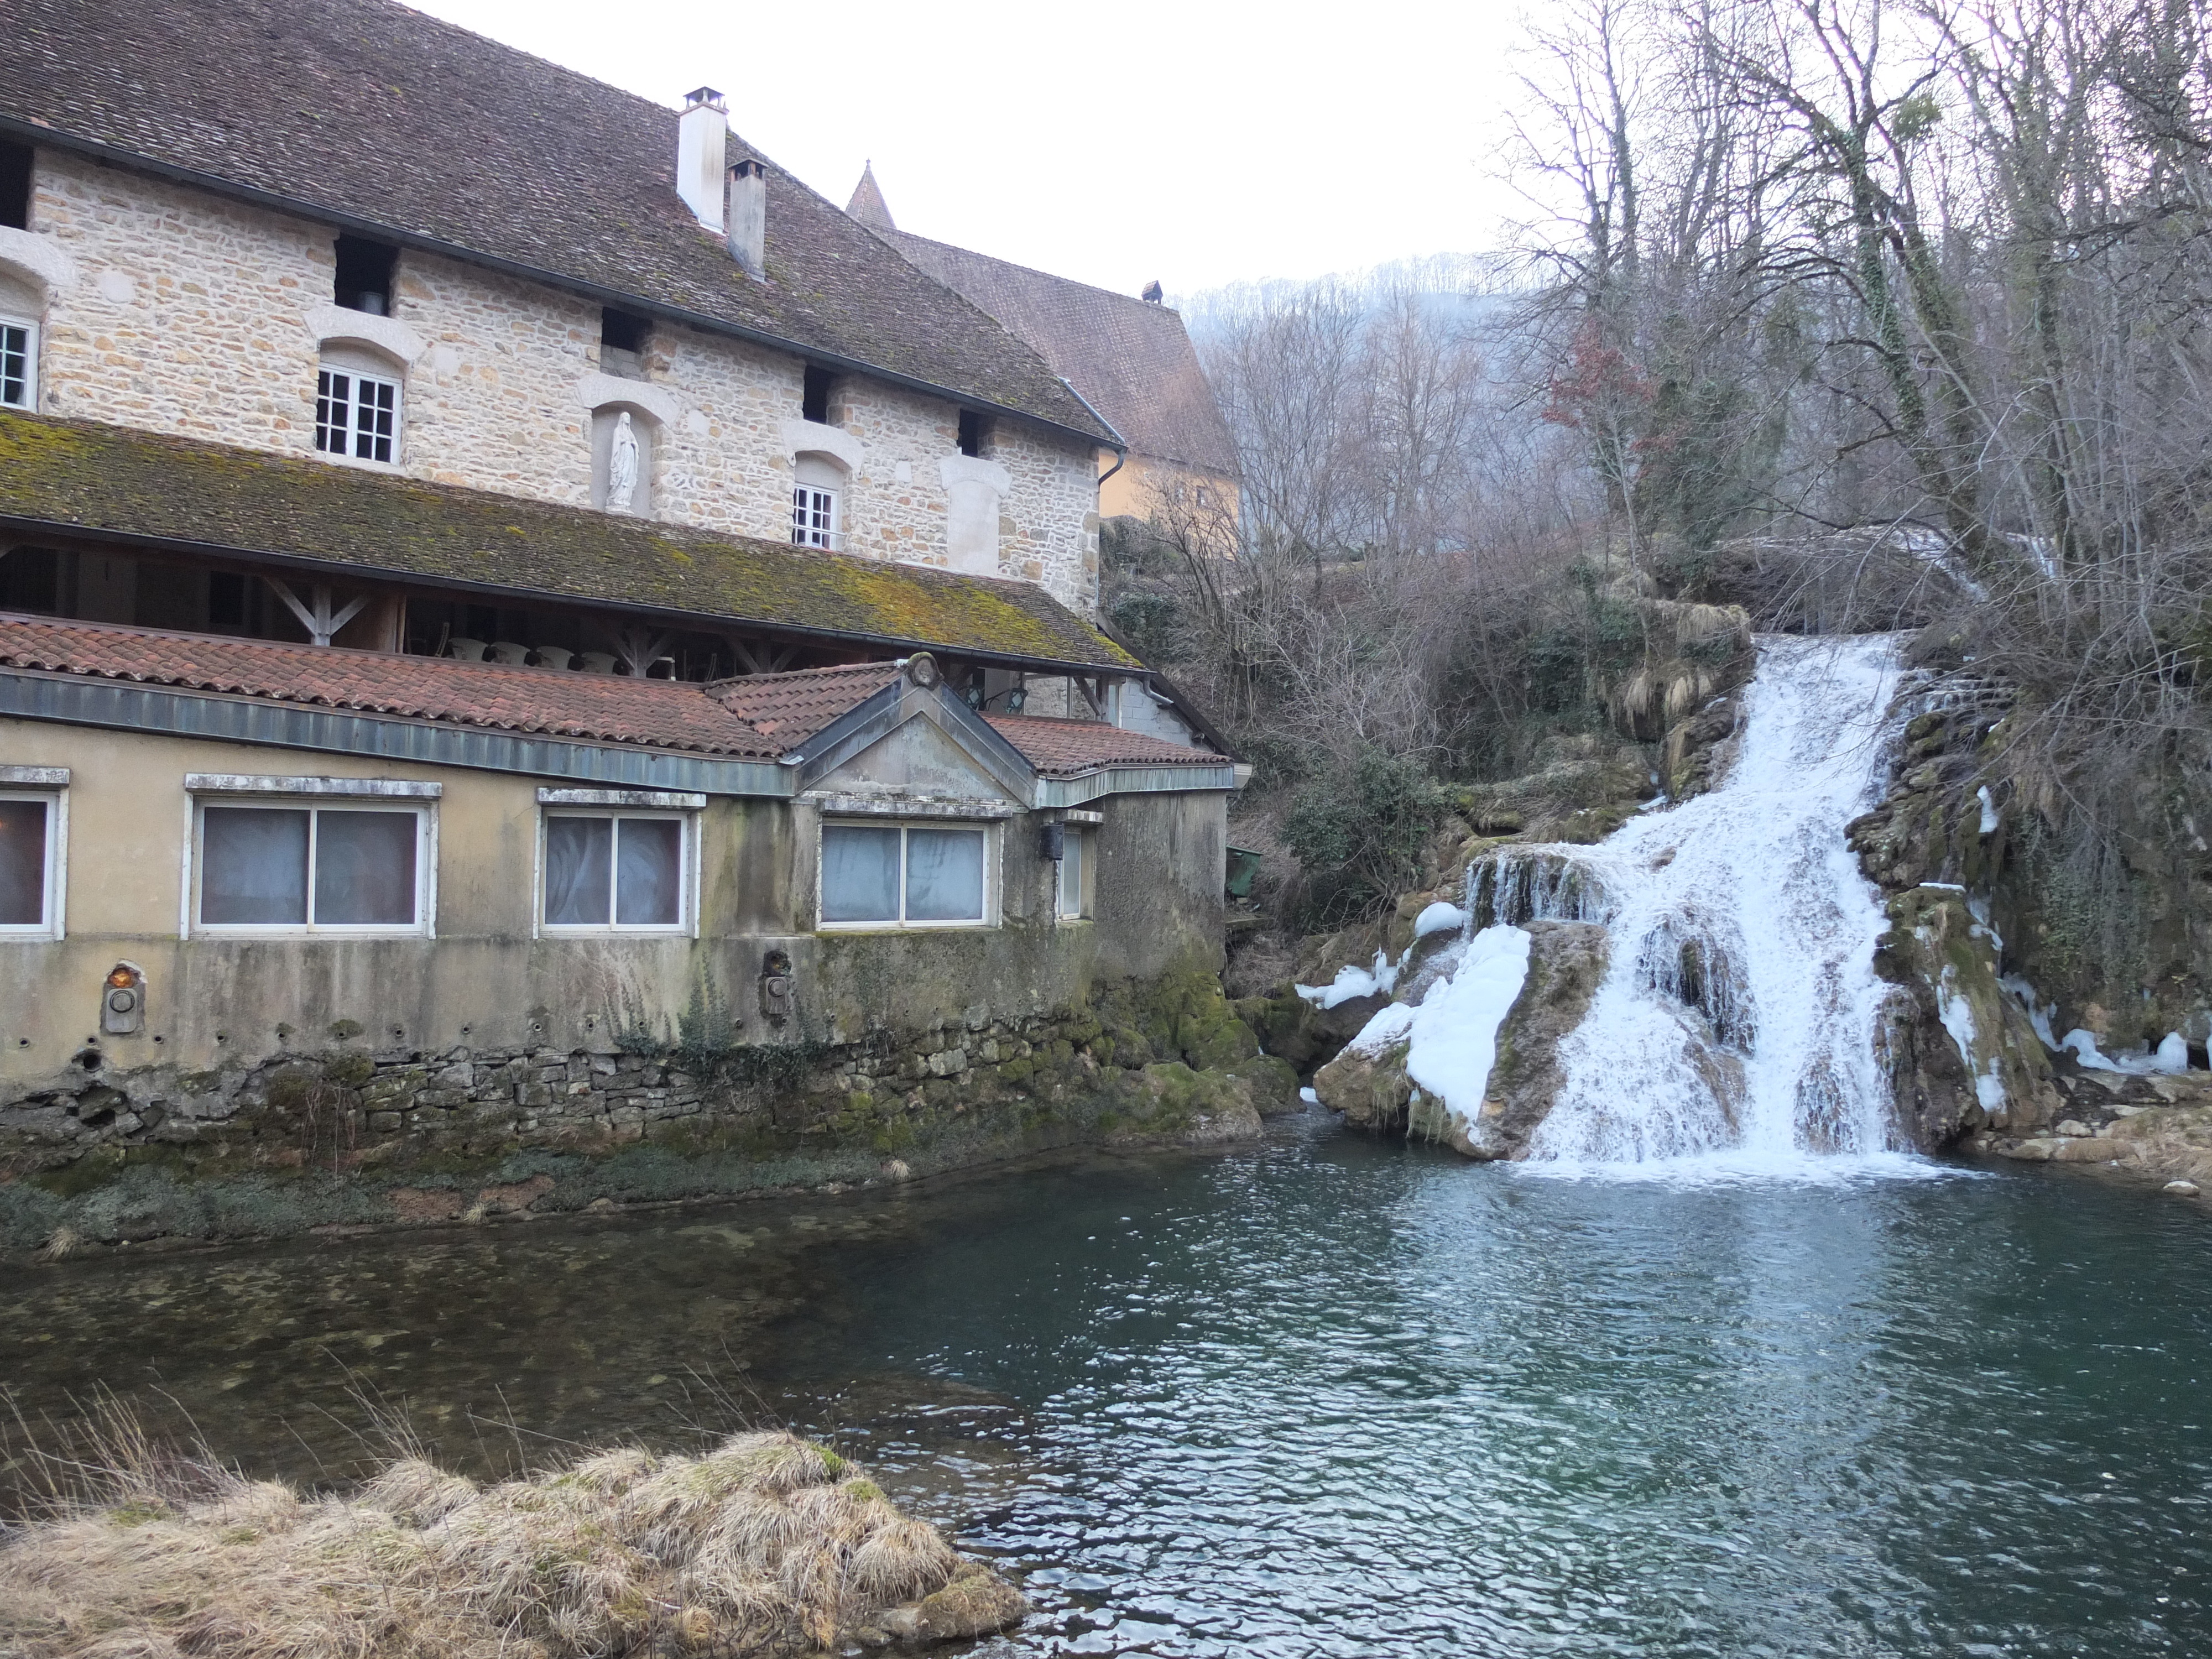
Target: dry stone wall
(355, 1134)
(188, 316)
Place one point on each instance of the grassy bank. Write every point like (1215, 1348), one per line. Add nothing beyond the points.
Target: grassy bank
(767, 1544)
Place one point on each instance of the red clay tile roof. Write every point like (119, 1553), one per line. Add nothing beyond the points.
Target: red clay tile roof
(379, 113)
(595, 708)
(792, 708)
(764, 717)
(1060, 749)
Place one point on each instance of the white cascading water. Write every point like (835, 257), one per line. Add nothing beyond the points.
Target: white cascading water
(1735, 1030)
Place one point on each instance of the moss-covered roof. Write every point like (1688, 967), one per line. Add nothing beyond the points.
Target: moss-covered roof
(89, 478)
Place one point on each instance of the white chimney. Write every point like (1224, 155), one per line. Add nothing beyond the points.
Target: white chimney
(749, 216)
(701, 134)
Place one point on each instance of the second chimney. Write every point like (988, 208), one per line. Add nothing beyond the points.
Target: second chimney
(749, 216)
(701, 133)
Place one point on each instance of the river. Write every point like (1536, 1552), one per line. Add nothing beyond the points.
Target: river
(1319, 1395)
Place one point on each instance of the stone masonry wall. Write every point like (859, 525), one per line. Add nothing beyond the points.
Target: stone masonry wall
(351, 1134)
(187, 316)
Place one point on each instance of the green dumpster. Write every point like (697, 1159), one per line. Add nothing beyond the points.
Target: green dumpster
(1243, 867)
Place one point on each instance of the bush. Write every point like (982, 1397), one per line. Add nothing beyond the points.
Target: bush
(1357, 830)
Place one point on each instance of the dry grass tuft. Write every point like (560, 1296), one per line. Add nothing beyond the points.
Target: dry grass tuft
(764, 1544)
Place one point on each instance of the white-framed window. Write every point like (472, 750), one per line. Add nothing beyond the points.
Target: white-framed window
(906, 875)
(282, 861)
(813, 516)
(1071, 887)
(33, 838)
(19, 363)
(356, 414)
(610, 872)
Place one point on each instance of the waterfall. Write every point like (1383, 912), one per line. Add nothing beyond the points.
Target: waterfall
(1734, 1031)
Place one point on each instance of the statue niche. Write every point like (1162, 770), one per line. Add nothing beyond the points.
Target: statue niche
(622, 461)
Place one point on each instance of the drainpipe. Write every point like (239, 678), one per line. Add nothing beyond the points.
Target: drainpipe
(1121, 446)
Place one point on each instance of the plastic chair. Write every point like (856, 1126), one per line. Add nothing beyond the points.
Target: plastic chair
(466, 650)
(598, 662)
(506, 651)
(553, 656)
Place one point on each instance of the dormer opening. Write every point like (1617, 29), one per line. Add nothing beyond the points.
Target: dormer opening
(363, 281)
(814, 395)
(622, 335)
(15, 186)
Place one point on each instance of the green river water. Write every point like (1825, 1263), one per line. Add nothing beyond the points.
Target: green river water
(1315, 1396)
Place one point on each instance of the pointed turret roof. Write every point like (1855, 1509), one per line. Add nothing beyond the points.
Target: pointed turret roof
(867, 205)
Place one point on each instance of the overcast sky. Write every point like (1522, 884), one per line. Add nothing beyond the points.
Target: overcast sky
(1199, 142)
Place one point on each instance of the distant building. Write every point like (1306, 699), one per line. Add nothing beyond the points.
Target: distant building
(487, 562)
(1130, 360)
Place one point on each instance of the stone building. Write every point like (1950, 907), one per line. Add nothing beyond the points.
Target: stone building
(1130, 359)
(515, 613)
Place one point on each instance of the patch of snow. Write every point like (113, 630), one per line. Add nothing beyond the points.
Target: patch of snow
(1946, 886)
(1989, 809)
(1439, 918)
(2038, 1014)
(1352, 982)
(1452, 1030)
(2170, 1055)
(1455, 1031)
(1957, 1017)
(1384, 1028)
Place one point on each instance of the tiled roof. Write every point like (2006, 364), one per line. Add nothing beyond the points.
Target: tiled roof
(543, 702)
(792, 708)
(1061, 749)
(376, 113)
(83, 475)
(1134, 361)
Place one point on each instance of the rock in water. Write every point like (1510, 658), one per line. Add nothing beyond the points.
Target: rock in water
(2181, 1188)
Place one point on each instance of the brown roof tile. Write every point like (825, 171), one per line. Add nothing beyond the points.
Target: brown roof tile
(792, 708)
(1061, 749)
(592, 708)
(377, 113)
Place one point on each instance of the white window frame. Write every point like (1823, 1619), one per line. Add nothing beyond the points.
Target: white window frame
(988, 830)
(354, 435)
(314, 795)
(48, 786)
(686, 925)
(1080, 839)
(817, 517)
(29, 327)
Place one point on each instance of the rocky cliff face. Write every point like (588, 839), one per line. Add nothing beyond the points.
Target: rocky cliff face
(1980, 887)
(1370, 1086)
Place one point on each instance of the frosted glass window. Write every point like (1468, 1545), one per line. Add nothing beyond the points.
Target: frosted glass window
(310, 867)
(253, 870)
(19, 364)
(1073, 852)
(365, 869)
(859, 874)
(945, 875)
(614, 869)
(26, 863)
(648, 871)
(579, 871)
(918, 875)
